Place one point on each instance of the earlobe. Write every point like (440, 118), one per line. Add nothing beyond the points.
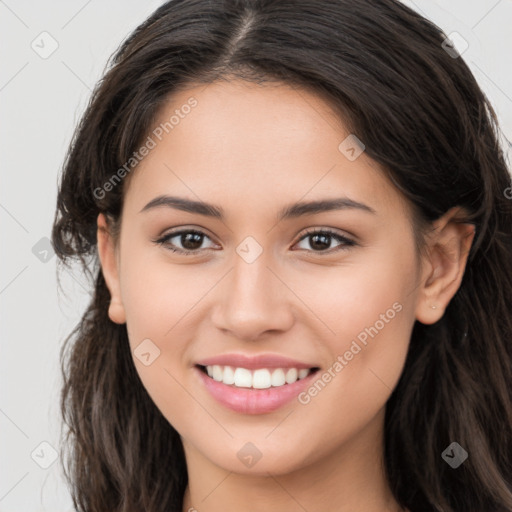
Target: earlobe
(109, 267)
(448, 251)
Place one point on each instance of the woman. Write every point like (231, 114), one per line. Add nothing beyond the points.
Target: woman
(296, 219)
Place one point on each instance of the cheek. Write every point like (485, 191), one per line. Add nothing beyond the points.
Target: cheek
(160, 300)
(355, 296)
(368, 308)
(159, 297)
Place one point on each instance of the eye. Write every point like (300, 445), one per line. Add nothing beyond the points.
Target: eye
(190, 240)
(320, 240)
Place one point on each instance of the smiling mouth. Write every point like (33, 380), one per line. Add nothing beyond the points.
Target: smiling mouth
(260, 378)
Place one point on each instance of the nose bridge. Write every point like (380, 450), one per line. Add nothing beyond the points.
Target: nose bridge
(252, 299)
(251, 278)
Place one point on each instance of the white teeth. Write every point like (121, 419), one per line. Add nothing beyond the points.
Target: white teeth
(303, 373)
(291, 375)
(278, 377)
(243, 378)
(217, 373)
(229, 375)
(261, 378)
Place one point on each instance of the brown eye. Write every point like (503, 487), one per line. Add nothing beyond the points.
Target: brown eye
(321, 240)
(190, 241)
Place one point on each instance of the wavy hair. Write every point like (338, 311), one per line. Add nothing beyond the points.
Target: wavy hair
(422, 116)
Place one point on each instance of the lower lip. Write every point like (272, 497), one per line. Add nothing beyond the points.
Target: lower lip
(254, 401)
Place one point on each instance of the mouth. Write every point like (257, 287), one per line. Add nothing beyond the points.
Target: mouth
(255, 390)
(259, 378)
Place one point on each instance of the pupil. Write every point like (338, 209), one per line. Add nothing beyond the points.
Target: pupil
(324, 241)
(191, 240)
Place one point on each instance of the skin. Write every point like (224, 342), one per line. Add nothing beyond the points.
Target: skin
(253, 149)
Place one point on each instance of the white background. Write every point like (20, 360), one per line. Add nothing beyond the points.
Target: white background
(41, 101)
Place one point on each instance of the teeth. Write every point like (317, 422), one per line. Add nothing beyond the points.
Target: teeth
(303, 373)
(243, 378)
(217, 373)
(291, 375)
(277, 378)
(262, 378)
(229, 375)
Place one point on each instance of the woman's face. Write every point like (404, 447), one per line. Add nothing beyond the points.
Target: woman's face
(256, 299)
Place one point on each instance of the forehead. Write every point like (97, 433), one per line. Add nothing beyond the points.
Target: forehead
(253, 146)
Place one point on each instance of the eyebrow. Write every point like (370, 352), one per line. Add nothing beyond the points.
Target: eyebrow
(288, 212)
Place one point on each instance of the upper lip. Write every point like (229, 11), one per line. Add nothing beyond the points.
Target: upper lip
(254, 361)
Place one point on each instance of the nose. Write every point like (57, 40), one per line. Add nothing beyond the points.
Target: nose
(253, 301)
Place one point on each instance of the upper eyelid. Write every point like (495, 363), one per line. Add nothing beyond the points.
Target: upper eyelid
(331, 231)
(180, 231)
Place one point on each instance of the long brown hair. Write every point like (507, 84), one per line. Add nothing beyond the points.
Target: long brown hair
(423, 117)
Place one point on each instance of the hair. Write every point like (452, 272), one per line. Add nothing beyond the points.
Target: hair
(424, 119)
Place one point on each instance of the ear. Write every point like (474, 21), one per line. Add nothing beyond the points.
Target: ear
(448, 248)
(110, 268)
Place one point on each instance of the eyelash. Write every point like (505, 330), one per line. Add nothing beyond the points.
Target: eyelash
(163, 241)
